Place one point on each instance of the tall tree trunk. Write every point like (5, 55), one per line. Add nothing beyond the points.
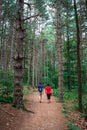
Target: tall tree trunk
(36, 64)
(1, 3)
(29, 57)
(33, 59)
(68, 49)
(44, 60)
(59, 46)
(12, 47)
(78, 59)
(86, 7)
(18, 67)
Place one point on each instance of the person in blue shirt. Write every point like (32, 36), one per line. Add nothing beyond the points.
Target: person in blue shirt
(40, 90)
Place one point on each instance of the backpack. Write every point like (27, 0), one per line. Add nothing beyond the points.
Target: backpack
(40, 88)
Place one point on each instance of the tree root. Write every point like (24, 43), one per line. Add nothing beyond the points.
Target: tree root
(11, 114)
(26, 110)
(23, 108)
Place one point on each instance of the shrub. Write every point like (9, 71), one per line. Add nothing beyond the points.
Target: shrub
(85, 108)
(6, 86)
(55, 92)
(71, 126)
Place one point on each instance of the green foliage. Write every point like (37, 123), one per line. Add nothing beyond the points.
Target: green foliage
(70, 64)
(84, 88)
(47, 80)
(6, 99)
(70, 95)
(25, 76)
(8, 9)
(26, 91)
(84, 104)
(55, 92)
(41, 6)
(6, 86)
(71, 126)
(65, 110)
(6, 82)
(8, 16)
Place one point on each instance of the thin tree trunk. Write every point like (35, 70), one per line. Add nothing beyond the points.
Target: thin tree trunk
(59, 46)
(78, 60)
(69, 74)
(68, 50)
(29, 57)
(35, 67)
(1, 3)
(86, 7)
(33, 58)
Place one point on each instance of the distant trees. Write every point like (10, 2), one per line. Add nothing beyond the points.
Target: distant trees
(6, 30)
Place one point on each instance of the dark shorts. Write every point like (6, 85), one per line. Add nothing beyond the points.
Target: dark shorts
(40, 92)
(48, 96)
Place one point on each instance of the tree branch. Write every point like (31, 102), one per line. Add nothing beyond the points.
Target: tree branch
(28, 5)
(32, 16)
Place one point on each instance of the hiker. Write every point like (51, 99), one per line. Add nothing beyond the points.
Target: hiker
(48, 91)
(40, 90)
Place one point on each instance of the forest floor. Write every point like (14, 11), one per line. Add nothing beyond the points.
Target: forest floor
(44, 116)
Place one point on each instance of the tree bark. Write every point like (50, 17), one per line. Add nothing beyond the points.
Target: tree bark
(18, 67)
(78, 60)
(29, 57)
(68, 50)
(59, 47)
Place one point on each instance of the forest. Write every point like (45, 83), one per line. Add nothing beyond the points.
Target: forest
(44, 41)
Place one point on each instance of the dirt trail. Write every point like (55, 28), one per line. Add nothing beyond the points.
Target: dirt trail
(47, 116)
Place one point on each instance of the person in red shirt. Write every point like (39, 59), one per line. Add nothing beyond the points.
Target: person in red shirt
(48, 91)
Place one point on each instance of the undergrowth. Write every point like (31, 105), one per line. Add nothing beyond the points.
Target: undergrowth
(71, 126)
